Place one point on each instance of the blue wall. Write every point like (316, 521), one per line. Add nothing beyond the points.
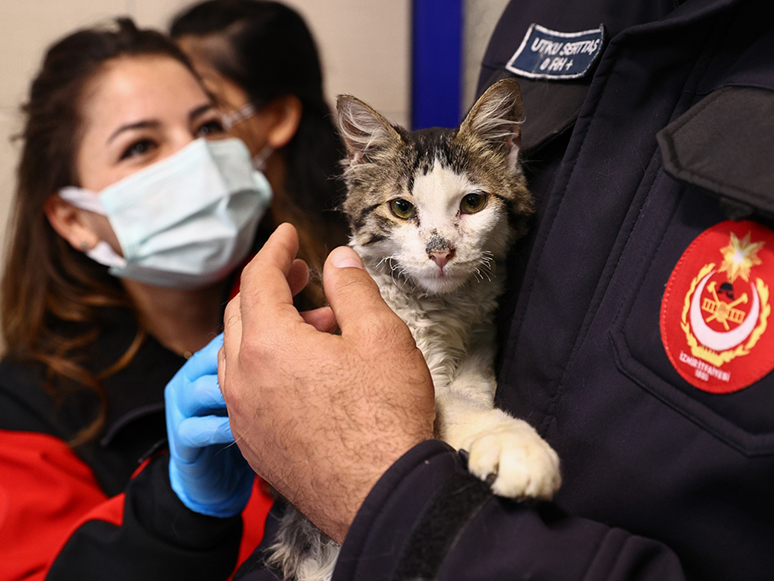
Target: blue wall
(436, 80)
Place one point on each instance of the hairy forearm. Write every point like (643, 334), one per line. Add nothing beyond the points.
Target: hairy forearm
(321, 416)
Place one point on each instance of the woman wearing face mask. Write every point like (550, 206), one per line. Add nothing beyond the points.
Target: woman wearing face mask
(131, 214)
(260, 62)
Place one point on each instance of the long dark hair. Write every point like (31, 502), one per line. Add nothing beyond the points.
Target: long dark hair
(52, 295)
(270, 52)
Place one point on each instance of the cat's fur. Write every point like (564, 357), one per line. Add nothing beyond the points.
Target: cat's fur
(442, 270)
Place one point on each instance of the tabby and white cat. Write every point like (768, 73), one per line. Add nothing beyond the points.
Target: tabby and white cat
(433, 214)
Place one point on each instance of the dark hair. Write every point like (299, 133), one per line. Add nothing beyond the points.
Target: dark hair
(52, 295)
(269, 52)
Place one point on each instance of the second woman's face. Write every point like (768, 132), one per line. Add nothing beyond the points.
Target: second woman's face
(138, 111)
(229, 96)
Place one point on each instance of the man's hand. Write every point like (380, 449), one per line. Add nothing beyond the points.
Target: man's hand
(321, 416)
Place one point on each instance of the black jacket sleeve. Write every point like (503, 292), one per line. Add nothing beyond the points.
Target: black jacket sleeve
(428, 518)
(157, 537)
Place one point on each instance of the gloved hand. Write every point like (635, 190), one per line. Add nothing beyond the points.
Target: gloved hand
(206, 468)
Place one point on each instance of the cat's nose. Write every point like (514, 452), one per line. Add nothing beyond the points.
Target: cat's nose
(441, 257)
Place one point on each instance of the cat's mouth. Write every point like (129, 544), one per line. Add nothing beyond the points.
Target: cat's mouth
(442, 279)
(441, 271)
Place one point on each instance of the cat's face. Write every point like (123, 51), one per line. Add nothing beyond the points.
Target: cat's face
(439, 229)
(436, 207)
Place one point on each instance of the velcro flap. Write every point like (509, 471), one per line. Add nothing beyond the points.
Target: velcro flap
(725, 144)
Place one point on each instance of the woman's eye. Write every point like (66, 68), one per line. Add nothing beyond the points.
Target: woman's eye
(213, 127)
(473, 203)
(402, 209)
(138, 148)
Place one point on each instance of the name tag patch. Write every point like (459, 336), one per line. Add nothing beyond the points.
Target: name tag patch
(547, 54)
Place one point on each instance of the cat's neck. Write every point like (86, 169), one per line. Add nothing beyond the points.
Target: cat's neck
(446, 327)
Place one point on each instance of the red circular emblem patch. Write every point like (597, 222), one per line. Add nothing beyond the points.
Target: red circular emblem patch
(715, 310)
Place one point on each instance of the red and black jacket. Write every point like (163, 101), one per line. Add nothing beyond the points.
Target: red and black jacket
(104, 509)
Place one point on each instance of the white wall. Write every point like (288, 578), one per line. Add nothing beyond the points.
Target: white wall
(481, 16)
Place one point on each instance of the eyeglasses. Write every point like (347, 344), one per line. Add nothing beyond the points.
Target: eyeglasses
(244, 112)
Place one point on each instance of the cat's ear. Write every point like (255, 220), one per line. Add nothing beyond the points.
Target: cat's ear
(365, 132)
(496, 118)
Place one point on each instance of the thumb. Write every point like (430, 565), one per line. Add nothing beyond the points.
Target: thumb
(352, 293)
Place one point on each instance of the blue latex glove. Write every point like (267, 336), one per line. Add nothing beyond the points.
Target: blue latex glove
(206, 468)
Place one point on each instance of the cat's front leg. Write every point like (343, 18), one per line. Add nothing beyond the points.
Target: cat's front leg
(506, 451)
(502, 449)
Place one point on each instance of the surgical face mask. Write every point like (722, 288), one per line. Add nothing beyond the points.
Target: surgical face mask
(184, 222)
(244, 113)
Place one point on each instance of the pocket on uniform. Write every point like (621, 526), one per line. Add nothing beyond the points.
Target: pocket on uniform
(696, 328)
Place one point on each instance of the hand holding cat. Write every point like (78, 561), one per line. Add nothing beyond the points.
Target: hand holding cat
(321, 416)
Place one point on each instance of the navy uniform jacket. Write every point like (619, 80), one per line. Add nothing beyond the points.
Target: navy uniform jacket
(654, 174)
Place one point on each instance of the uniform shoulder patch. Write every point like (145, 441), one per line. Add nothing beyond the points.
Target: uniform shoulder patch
(547, 54)
(715, 309)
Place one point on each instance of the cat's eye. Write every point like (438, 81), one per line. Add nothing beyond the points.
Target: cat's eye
(402, 209)
(473, 203)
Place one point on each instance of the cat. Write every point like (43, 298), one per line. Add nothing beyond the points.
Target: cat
(433, 214)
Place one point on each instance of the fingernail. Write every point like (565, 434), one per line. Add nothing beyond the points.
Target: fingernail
(344, 257)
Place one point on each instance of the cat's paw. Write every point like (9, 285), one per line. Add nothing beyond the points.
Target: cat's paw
(515, 460)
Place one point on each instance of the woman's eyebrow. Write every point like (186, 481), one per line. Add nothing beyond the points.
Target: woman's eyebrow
(153, 123)
(199, 111)
(145, 124)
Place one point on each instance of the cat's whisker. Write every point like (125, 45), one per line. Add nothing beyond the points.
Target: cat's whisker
(396, 270)
(391, 264)
(484, 268)
(487, 259)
